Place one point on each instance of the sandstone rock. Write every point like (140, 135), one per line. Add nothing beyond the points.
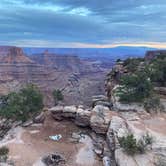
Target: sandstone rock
(100, 119)
(118, 126)
(27, 123)
(83, 117)
(40, 118)
(106, 161)
(69, 112)
(160, 90)
(104, 103)
(123, 159)
(57, 112)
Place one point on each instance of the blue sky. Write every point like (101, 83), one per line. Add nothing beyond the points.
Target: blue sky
(83, 23)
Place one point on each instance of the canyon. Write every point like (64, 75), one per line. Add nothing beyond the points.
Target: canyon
(79, 79)
(86, 128)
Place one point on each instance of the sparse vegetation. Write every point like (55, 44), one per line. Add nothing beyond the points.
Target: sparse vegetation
(58, 96)
(152, 104)
(4, 154)
(138, 84)
(131, 146)
(134, 88)
(21, 105)
(4, 151)
(132, 63)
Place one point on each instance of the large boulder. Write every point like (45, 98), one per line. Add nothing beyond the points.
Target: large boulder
(40, 118)
(70, 112)
(100, 119)
(83, 117)
(57, 112)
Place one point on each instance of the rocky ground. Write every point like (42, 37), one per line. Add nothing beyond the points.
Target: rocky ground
(29, 145)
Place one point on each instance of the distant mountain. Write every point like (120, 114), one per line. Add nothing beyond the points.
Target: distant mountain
(121, 52)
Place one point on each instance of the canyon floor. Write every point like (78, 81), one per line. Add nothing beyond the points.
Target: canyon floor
(29, 145)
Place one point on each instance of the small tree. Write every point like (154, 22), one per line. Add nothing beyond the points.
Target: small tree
(58, 96)
(134, 88)
(4, 153)
(129, 144)
(23, 104)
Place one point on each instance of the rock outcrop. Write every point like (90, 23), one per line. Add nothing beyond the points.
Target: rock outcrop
(100, 119)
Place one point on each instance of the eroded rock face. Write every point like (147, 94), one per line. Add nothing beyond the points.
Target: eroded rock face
(70, 112)
(40, 118)
(83, 117)
(13, 55)
(77, 78)
(100, 119)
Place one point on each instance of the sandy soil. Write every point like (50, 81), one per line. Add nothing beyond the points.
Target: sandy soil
(32, 144)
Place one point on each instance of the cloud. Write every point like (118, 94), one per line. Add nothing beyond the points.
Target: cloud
(90, 22)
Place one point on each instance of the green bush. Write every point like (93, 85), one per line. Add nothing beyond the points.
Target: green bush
(158, 75)
(131, 146)
(4, 151)
(21, 105)
(152, 104)
(132, 63)
(58, 96)
(134, 88)
(148, 140)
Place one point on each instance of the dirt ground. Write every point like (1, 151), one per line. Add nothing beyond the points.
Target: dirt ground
(33, 143)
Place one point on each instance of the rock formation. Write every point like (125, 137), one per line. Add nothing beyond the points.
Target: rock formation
(48, 71)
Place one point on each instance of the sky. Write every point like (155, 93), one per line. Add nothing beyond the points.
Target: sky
(83, 23)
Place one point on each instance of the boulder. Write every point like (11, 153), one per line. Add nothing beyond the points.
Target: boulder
(106, 161)
(100, 119)
(57, 112)
(70, 112)
(27, 123)
(40, 118)
(117, 128)
(104, 103)
(83, 117)
(123, 159)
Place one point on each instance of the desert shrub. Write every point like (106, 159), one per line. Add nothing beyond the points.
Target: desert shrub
(152, 104)
(141, 146)
(148, 139)
(118, 60)
(4, 151)
(58, 96)
(132, 63)
(23, 104)
(134, 88)
(4, 154)
(131, 146)
(158, 75)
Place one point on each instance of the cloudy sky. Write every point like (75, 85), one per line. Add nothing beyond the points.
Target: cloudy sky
(83, 23)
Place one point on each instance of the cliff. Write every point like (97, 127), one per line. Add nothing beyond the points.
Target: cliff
(49, 71)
